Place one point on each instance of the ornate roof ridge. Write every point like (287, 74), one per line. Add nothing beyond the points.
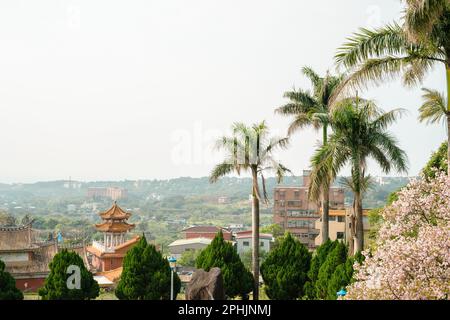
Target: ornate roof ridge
(17, 227)
(115, 212)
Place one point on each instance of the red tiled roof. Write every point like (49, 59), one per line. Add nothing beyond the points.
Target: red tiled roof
(112, 275)
(248, 234)
(113, 226)
(115, 212)
(205, 229)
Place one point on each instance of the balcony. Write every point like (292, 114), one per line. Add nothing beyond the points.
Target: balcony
(101, 247)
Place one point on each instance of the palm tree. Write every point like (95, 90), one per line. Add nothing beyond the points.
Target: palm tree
(313, 109)
(412, 49)
(434, 110)
(250, 149)
(359, 133)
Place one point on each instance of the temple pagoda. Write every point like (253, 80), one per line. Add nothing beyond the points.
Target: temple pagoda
(114, 226)
(109, 254)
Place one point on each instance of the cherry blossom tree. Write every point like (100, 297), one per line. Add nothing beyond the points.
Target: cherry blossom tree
(412, 256)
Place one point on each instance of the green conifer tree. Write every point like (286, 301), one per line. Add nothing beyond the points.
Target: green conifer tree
(237, 280)
(58, 283)
(8, 290)
(285, 269)
(336, 257)
(343, 275)
(319, 257)
(146, 275)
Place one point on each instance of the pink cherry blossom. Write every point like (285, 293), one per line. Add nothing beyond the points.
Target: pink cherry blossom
(412, 256)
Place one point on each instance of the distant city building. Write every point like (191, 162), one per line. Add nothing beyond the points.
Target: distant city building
(223, 200)
(295, 213)
(208, 232)
(112, 193)
(339, 225)
(71, 207)
(72, 185)
(244, 241)
(178, 247)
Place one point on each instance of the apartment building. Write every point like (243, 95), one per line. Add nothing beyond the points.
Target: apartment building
(339, 225)
(295, 213)
(113, 193)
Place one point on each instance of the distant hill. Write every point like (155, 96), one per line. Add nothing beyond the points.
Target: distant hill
(232, 187)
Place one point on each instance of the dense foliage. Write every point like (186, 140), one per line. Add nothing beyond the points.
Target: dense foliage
(412, 258)
(331, 270)
(336, 257)
(146, 275)
(437, 163)
(317, 261)
(56, 285)
(8, 290)
(238, 281)
(285, 269)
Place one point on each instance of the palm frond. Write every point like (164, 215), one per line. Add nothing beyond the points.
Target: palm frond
(388, 118)
(366, 184)
(312, 76)
(365, 44)
(434, 108)
(220, 171)
(300, 121)
(421, 16)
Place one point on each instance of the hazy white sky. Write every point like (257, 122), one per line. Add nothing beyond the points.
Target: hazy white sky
(102, 90)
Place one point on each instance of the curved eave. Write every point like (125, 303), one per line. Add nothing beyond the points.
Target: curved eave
(114, 227)
(115, 212)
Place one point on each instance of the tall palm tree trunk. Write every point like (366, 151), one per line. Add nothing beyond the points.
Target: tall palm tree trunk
(351, 231)
(356, 176)
(448, 116)
(325, 199)
(255, 235)
(359, 237)
(325, 214)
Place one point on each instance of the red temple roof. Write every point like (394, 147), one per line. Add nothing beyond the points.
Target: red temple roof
(114, 226)
(115, 212)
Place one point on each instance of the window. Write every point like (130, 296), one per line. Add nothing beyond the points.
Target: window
(339, 235)
(246, 244)
(261, 244)
(296, 203)
(297, 194)
(341, 219)
(301, 213)
(300, 223)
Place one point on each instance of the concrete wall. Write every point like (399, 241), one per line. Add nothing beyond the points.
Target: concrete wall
(242, 248)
